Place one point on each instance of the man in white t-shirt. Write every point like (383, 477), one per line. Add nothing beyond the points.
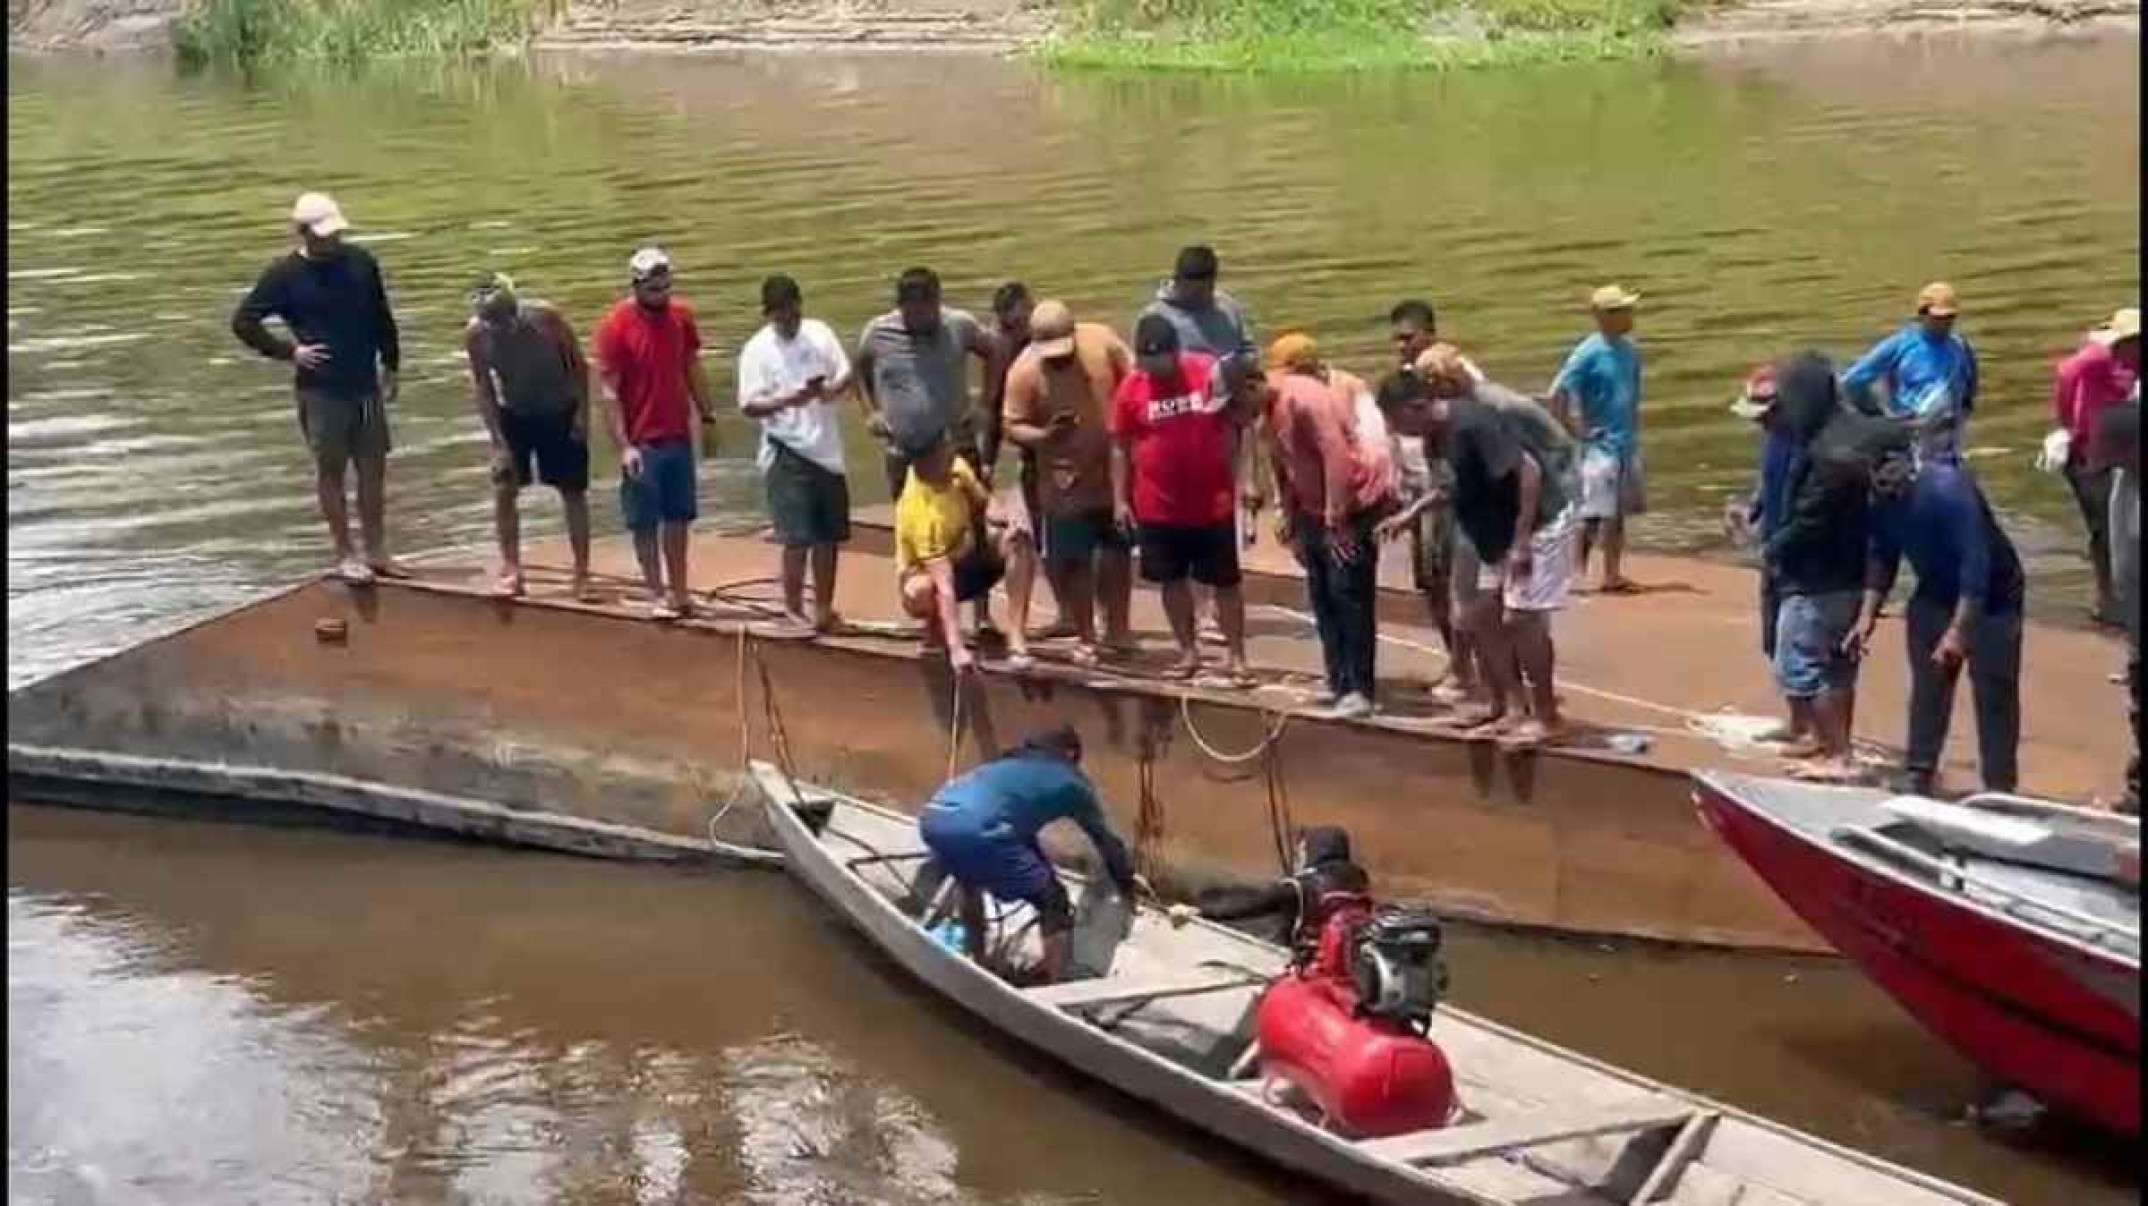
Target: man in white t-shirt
(789, 376)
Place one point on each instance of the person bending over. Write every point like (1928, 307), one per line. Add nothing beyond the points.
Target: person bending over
(982, 827)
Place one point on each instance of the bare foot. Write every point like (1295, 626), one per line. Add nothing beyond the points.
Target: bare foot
(1530, 734)
(1184, 667)
(1801, 749)
(1057, 630)
(584, 591)
(508, 584)
(387, 567)
(1482, 722)
(828, 622)
(1833, 769)
(1619, 586)
(1240, 675)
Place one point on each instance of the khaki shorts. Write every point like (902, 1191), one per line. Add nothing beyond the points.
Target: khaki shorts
(342, 429)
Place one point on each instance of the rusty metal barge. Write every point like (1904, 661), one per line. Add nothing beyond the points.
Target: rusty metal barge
(433, 706)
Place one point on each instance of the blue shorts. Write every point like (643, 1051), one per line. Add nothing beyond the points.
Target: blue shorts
(665, 491)
(1808, 643)
(993, 860)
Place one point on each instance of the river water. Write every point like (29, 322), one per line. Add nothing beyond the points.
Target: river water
(204, 1013)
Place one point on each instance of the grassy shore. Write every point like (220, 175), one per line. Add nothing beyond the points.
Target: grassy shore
(1350, 35)
(255, 33)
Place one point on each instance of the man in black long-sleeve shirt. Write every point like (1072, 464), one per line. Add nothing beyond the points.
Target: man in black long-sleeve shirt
(343, 339)
(1816, 557)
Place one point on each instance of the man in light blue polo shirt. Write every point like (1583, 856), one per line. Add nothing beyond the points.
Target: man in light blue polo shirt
(1597, 394)
(1929, 371)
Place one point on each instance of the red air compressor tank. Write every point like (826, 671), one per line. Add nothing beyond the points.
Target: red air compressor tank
(1371, 1077)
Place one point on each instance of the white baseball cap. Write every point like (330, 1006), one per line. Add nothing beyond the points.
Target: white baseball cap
(319, 214)
(649, 261)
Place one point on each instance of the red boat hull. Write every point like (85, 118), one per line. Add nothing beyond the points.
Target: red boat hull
(2038, 1013)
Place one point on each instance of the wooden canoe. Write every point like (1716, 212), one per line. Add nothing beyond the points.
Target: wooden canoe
(1170, 1020)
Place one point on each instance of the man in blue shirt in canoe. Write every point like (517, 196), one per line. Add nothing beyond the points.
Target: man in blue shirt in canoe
(1929, 371)
(1967, 609)
(1597, 394)
(982, 828)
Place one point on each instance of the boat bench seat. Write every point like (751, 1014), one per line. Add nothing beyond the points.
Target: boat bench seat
(1108, 990)
(1452, 1144)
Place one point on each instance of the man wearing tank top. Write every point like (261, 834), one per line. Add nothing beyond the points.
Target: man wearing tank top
(532, 387)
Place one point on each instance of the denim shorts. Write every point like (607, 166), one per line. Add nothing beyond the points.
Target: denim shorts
(665, 491)
(1808, 643)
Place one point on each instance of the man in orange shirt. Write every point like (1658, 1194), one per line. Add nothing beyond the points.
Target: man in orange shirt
(1335, 479)
(1058, 407)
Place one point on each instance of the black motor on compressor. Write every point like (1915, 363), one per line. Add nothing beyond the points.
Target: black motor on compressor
(1396, 968)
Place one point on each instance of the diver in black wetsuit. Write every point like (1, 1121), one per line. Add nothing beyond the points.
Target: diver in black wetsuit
(1326, 877)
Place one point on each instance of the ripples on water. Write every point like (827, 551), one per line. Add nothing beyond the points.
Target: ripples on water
(206, 1013)
(1801, 196)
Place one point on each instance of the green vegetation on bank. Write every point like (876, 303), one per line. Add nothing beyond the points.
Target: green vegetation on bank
(1348, 35)
(251, 33)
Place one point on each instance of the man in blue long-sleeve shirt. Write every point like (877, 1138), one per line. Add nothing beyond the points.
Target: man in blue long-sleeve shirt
(982, 828)
(1967, 609)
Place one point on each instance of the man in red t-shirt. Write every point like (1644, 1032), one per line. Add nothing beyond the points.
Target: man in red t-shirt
(648, 356)
(1174, 435)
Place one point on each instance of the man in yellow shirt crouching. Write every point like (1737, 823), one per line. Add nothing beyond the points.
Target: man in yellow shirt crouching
(950, 549)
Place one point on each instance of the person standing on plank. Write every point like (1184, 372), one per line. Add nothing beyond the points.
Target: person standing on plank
(532, 388)
(1817, 557)
(1211, 322)
(1511, 483)
(1755, 518)
(1174, 429)
(790, 375)
(2118, 446)
(649, 357)
(343, 341)
(1012, 306)
(982, 827)
(1428, 516)
(2098, 376)
(1966, 611)
(1598, 395)
(1331, 494)
(1058, 411)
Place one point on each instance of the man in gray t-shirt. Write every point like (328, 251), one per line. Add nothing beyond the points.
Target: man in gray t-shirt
(910, 367)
